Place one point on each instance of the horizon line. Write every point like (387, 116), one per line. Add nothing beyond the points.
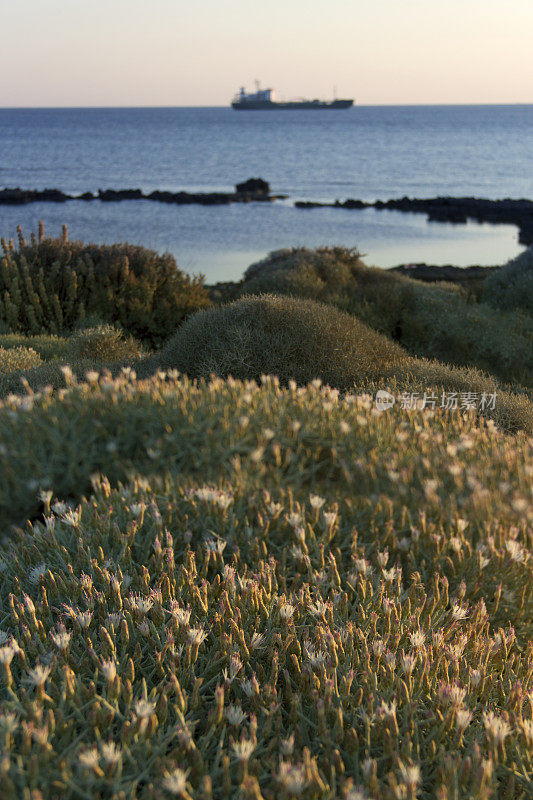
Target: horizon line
(356, 105)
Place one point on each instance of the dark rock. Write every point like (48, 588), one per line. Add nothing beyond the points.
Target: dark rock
(253, 186)
(310, 204)
(22, 196)
(112, 195)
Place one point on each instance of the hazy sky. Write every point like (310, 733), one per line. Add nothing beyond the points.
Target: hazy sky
(199, 52)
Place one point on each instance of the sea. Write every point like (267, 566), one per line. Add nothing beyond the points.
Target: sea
(366, 152)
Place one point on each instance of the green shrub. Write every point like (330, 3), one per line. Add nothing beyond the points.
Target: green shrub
(284, 336)
(50, 285)
(511, 286)
(16, 358)
(431, 320)
(325, 602)
(305, 340)
(105, 343)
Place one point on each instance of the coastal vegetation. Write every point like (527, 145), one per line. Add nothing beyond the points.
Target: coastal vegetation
(51, 286)
(512, 286)
(434, 320)
(225, 573)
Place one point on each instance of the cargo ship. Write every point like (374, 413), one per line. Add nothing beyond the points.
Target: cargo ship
(263, 100)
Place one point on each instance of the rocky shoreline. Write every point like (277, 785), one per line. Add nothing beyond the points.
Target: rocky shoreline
(254, 189)
(457, 210)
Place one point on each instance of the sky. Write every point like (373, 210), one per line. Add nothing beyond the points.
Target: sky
(199, 52)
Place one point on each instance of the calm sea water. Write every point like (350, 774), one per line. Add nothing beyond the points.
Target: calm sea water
(365, 152)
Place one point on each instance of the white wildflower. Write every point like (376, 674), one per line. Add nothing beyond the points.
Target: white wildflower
(417, 639)
(140, 604)
(257, 640)
(111, 753)
(475, 677)
(390, 659)
(235, 715)
(408, 661)
(451, 694)
(144, 708)
(175, 782)
(61, 639)
(39, 675)
(84, 618)
(410, 775)
(6, 654)
(294, 519)
(318, 609)
(71, 517)
(196, 635)
(89, 758)
(292, 777)
(215, 545)
(378, 647)
(243, 749)
(315, 501)
(496, 727)
(109, 670)
(515, 550)
(286, 610)
(387, 709)
(181, 615)
(463, 718)
(317, 658)
(330, 517)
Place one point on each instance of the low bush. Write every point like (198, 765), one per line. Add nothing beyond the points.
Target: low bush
(105, 343)
(50, 285)
(288, 337)
(511, 286)
(305, 340)
(16, 358)
(431, 320)
(325, 602)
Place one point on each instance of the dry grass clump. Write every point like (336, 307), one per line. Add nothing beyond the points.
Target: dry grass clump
(15, 358)
(289, 337)
(105, 343)
(511, 286)
(50, 285)
(326, 602)
(431, 320)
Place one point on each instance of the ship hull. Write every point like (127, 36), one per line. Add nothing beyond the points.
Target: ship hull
(265, 105)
